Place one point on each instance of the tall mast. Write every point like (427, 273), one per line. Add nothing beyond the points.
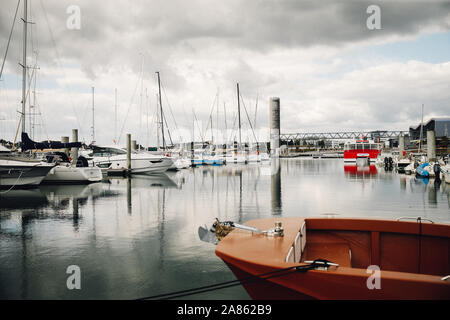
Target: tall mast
(421, 131)
(217, 119)
(256, 110)
(212, 134)
(239, 113)
(115, 115)
(33, 112)
(157, 123)
(161, 111)
(226, 126)
(24, 62)
(93, 117)
(147, 106)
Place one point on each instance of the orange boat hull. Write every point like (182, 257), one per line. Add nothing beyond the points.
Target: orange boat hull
(413, 258)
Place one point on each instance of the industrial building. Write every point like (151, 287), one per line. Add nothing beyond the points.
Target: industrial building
(440, 126)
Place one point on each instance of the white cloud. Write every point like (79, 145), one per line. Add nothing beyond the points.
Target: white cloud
(302, 51)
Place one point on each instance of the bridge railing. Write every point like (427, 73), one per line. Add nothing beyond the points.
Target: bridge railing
(342, 135)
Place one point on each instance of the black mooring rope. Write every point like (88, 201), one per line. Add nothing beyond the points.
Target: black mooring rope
(232, 283)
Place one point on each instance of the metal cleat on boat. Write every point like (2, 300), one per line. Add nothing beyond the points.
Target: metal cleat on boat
(220, 229)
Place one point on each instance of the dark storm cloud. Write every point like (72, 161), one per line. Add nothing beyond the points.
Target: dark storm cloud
(116, 32)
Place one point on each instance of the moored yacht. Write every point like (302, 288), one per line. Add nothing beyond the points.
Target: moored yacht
(115, 158)
(22, 171)
(402, 164)
(446, 172)
(236, 158)
(66, 172)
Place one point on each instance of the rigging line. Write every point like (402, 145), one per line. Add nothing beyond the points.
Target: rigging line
(152, 119)
(170, 108)
(256, 109)
(41, 113)
(128, 111)
(251, 127)
(200, 131)
(9, 38)
(225, 117)
(232, 129)
(58, 61)
(167, 127)
(210, 115)
(24, 102)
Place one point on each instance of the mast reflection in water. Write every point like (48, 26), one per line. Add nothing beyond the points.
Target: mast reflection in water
(138, 237)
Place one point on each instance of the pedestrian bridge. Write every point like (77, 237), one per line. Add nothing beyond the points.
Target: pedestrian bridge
(373, 135)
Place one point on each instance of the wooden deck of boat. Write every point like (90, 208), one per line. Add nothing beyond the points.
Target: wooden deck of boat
(413, 257)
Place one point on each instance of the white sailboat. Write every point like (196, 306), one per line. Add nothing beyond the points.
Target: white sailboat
(18, 170)
(66, 172)
(115, 158)
(235, 158)
(446, 172)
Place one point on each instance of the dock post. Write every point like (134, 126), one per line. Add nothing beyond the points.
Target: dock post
(133, 145)
(65, 140)
(74, 151)
(274, 126)
(224, 152)
(128, 153)
(192, 153)
(431, 145)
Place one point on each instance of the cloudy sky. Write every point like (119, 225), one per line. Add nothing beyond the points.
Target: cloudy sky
(331, 72)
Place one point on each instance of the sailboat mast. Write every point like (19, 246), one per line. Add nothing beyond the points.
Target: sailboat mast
(115, 115)
(33, 112)
(147, 106)
(239, 112)
(157, 123)
(256, 110)
(421, 131)
(161, 111)
(93, 117)
(217, 113)
(212, 134)
(24, 62)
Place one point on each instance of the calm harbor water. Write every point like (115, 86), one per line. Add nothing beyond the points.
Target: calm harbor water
(137, 237)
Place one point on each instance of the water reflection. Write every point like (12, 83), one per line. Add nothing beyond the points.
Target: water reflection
(27, 198)
(356, 171)
(275, 186)
(138, 237)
